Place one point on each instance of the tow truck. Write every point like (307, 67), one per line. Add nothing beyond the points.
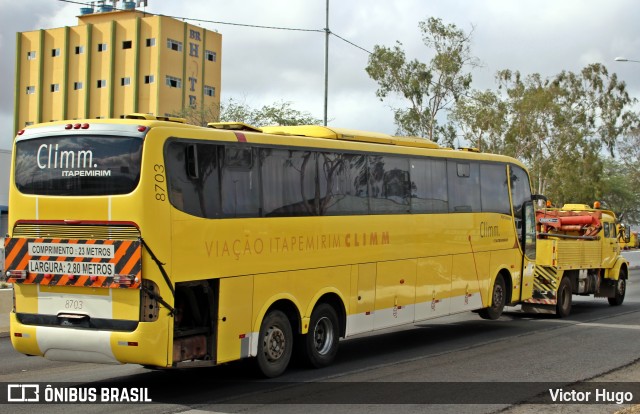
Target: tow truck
(577, 253)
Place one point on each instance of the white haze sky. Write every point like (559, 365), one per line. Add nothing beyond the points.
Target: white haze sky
(263, 66)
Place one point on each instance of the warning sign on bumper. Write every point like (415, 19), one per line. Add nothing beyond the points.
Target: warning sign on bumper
(69, 262)
(72, 268)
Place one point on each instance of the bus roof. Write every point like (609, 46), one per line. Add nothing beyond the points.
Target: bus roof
(330, 134)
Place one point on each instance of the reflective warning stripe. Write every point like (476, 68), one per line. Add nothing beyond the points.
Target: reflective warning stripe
(542, 301)
(545, 278)
(70, 262)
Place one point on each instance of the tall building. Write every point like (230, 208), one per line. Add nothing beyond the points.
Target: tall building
(115, 62)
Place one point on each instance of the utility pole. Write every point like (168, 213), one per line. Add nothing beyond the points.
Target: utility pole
(326, 64)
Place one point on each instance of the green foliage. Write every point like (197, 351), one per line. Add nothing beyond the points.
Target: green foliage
(560, 127)
(626, 186)
(428, 88)
(482, 119)
(278, 113)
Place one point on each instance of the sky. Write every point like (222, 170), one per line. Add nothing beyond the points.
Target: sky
(267, 66)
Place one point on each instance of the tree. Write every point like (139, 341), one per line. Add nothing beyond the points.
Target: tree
(199, 114)
(482, 119)
(278, 113)
(618, 192)
(628, 169)
(428, 88)
(560, 126)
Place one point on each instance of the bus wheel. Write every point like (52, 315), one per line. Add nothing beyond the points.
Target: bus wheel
(498, 301)
(275, 344)
(321, 343)
(621, 289)
(563, 304)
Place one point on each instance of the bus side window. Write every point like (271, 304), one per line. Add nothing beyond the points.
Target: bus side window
(494, 188)
(520, 192)
(240, 182)
(192, 171)
(288, 182)
(464, 186)
(428, 186)
(389, 185)
(192, 161)
(343, 184)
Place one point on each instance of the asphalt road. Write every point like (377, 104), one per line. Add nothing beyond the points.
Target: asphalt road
(455, 364)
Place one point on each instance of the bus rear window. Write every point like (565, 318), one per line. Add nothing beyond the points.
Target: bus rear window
(78, 165)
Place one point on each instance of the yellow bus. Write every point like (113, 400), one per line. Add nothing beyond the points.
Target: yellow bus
(149, 241)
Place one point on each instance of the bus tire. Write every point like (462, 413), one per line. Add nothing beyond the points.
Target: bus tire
(275, 344)
(321, 342)
(564, 298)
(498, 300)
(621, 290)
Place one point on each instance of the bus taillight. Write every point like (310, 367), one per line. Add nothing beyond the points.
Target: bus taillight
(17, 274)
(126, 280)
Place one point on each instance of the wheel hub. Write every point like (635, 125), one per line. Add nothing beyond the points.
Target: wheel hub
(274, 343)
(323, 335)
(497, 296)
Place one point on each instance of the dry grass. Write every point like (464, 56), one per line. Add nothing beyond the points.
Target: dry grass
(630, 410)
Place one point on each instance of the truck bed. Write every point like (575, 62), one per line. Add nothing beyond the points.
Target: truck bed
(569, 254)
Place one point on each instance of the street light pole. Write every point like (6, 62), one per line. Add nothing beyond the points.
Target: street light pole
(326, 64)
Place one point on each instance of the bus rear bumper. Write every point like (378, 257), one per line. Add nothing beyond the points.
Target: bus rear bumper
(143, 346)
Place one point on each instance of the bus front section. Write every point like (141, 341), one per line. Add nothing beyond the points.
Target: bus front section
(75, 249)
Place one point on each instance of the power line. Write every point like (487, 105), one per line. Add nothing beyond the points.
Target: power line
(244, 24)
(255, 26)
(351, 43)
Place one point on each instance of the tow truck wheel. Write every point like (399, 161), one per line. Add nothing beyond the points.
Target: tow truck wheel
(621, 289)
(498, 301)
(564, 296)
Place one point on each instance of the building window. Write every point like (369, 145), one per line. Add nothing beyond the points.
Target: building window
(102, 47)
(31, 90)
(149, 79)
(125, 81)
(174, 82)
(79, 50)
(55, 52)
(174, 45)
(102, 83)
(31, 55)
(151, 41)
(77, 86)
(55, 87)
(28, 123)
(209, 90)
(210, 56)
(127, 44)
